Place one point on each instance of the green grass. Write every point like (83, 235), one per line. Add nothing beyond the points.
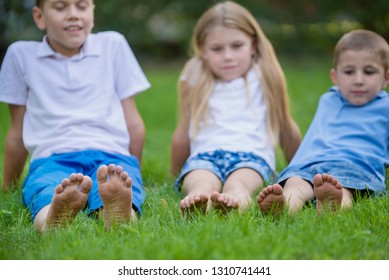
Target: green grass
(161, 233)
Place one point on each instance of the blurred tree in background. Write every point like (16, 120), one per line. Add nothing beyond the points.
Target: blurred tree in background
(161, 29)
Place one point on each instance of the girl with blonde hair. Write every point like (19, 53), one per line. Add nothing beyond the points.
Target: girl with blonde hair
(234, 111)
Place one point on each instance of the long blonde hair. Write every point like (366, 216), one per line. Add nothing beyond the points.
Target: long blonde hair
(199, 81)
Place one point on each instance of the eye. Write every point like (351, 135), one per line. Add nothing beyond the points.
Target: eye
(216, 49)
(59, 6)
(370, 71)
(237, 45)
(83, 5)
(348, 72)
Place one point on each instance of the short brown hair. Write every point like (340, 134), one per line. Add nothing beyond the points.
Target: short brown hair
(367, 40)
(39, 3)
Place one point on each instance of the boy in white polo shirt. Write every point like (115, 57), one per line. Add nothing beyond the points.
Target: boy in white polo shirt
(71, 101)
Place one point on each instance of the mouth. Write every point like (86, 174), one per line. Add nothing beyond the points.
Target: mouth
(73, 28)
(358, 92)
(228, 67)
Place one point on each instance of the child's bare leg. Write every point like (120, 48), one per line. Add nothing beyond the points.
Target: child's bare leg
(297, 192)
(294, 195)
(238, 190)
(198, 187)
(347, 200)
(69, 198)
(115, 189)
(328, 192)
(271, 200)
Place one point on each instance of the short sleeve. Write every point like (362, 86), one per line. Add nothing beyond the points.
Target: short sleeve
(13, 88)
(129, 77)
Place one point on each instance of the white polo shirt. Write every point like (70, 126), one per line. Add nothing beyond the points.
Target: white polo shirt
(72, 103)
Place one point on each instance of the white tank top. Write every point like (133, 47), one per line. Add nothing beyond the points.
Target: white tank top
(236, 120)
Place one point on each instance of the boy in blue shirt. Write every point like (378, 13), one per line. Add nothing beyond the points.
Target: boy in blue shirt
(345, 149)
(71, 101)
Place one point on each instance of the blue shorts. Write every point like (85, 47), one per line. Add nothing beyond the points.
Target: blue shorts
(47, 173)
(350, 175)
(223, 163)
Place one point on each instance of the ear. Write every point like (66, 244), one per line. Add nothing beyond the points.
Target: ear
(93, 13)
(203, 54)
(386, 80)
(37, 15)
(254, 48)
(333, 76)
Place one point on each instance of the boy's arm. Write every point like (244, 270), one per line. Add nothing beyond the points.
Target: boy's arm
(15, 153)
(290, 143)
(135, 126)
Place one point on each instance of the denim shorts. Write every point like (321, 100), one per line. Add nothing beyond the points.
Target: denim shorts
(350, 175)
(47, 173)
(222, 163)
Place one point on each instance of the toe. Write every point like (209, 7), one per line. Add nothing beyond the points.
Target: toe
(124, 176)
(128, 182)
(118, 170)
(65, 183)
(86, 185)
(102, 174)
(59, 189)
(111, 169)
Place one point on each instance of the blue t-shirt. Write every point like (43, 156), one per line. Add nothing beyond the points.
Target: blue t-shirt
(343, 132)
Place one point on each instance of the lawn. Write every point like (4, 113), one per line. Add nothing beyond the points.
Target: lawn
(161, 234)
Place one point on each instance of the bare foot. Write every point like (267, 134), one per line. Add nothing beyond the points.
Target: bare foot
(328, 192)
(115, 189)
(192, 203)
(224, 202)
(69, 198)
(271, 200)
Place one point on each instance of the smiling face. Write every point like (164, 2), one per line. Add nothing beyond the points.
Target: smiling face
(228, 52)
(360, 76)
(67, 23)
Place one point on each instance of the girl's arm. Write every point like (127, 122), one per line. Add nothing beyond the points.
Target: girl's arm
(15, 153)
(135, 126)
(180, 145)
(290, 143)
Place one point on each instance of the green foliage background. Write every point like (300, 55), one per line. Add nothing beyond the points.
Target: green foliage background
(160, 29)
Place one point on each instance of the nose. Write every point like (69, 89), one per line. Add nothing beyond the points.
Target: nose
(72, 12)
(228, 54)
(359, 78)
